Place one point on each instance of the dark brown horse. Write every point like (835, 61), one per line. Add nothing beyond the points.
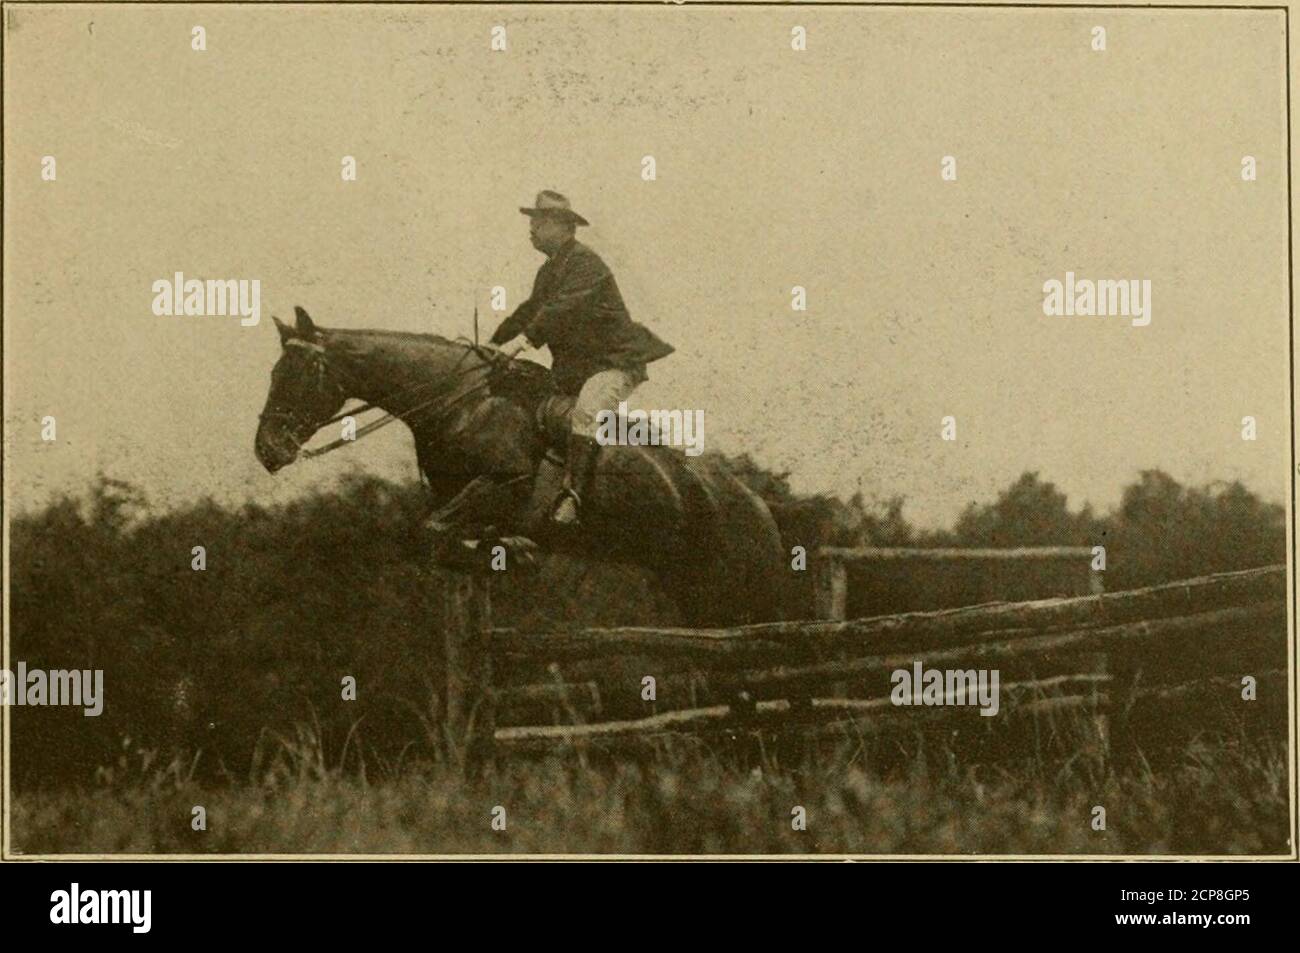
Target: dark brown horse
(710, 539)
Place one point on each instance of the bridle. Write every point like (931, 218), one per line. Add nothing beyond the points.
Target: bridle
(297, 421)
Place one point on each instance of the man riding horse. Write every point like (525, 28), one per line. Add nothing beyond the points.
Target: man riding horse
(710, 540)
(599, 353)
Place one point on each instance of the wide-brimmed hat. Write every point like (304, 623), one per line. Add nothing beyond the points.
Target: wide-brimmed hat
(554, 205)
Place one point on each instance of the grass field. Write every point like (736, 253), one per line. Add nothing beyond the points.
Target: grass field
(1215, 794)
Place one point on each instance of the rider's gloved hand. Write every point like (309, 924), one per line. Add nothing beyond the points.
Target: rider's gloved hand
(512, 348)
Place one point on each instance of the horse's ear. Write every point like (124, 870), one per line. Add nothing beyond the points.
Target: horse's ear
(286, 332)
(305, 326)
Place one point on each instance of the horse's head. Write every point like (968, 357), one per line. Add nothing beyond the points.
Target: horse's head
(304, 394)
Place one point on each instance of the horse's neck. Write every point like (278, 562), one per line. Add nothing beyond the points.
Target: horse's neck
(399, 373)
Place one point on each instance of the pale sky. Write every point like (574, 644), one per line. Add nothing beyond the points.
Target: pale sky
(775, 168)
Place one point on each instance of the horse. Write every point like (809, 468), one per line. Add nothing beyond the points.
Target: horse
(490, 473)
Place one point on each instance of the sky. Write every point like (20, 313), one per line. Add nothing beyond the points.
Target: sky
(774, 168)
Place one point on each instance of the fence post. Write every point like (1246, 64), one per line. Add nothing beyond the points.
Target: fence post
(1099, 663)
(464, 618)
(1126, 674)
(831, 579)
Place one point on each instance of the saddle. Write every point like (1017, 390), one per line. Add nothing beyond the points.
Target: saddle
(531, 387)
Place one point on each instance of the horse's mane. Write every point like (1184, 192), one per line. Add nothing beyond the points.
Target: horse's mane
(522, 381)
(418, 336)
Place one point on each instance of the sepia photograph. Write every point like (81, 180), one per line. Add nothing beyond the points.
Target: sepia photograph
(646, 431)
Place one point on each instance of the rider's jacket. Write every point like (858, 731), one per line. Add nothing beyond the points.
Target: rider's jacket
(577, 311)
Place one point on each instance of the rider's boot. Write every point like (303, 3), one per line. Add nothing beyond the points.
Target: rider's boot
(579, 475)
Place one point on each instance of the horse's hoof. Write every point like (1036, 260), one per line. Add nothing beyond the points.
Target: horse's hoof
(520, 552)
(519, 544)
(495, 554)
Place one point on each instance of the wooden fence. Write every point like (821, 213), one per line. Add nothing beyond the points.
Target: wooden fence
(1107, 653)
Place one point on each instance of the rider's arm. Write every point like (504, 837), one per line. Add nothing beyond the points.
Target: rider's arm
(511, 326)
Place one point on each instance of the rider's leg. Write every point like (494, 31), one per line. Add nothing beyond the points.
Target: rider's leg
(602, 391)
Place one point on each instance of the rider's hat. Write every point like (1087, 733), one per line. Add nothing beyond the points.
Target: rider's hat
(554, 205)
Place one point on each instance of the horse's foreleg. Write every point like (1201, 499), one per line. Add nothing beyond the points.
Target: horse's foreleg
(440, 485)
(485, 504)
(482, 502)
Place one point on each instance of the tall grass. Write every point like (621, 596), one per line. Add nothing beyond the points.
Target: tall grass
(1219, 795)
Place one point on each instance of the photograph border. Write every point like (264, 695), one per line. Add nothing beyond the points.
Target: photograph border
(6, 854)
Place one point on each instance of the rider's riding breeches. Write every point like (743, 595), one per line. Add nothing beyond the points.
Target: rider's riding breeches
(602, 392)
